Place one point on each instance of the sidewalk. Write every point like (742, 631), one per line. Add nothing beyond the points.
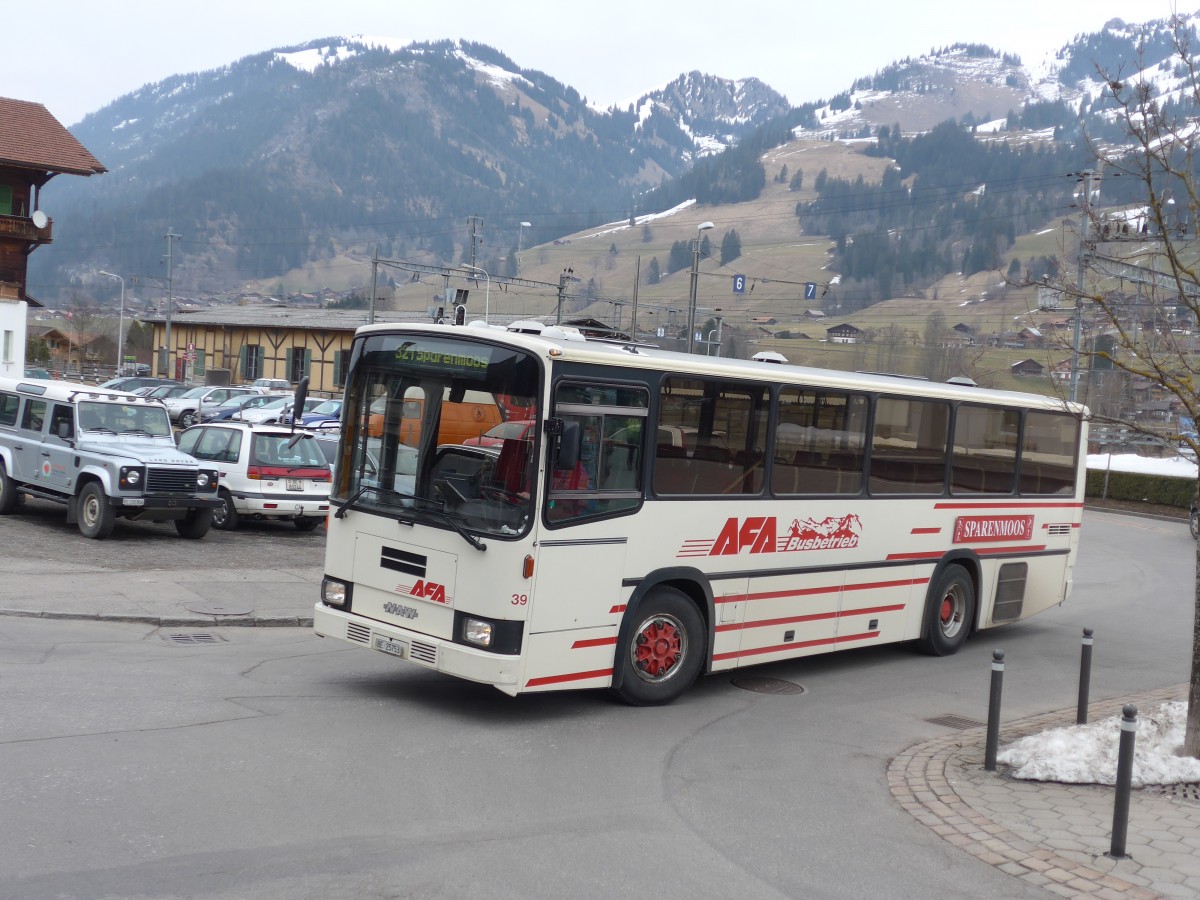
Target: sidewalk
(1049, 834)
(177, 598)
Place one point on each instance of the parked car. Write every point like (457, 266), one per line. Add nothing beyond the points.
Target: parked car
(272, 413)
(102, 455)
(274, 385)
(406, 460)
(265, 472)
(326, 414)
(35, 372)
(132, 382)
(234, 405)
(520, 430)
(187, 408)
(163, 391)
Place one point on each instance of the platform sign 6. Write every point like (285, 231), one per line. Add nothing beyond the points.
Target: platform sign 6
(739, 284)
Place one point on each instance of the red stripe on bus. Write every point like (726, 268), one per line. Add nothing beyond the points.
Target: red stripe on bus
(1017, 504)
(617, 609)
(779, 648)
(594, 642)
(828, 589)
(926, 531)
(791, 620)
(982, 550)
(571, 676)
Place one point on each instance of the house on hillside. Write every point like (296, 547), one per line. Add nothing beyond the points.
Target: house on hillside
(1031, 337)
(843, 334)
(75, 349)
(1027, 368)
(34, 147)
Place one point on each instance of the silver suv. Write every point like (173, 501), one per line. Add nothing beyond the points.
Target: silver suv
(103, 454)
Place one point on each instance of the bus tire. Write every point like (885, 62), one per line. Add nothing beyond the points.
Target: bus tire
(96, 515)
(949, 613)
(663, 652)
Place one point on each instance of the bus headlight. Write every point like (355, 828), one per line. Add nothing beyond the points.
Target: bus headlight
(477, 632)
(334, 592)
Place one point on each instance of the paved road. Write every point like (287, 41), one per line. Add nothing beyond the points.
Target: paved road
(268, 763)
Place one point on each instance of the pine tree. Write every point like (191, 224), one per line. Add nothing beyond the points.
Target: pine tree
(731, 246)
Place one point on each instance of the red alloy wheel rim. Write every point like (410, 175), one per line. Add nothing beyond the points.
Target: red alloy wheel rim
(947, 609)
(659, 648)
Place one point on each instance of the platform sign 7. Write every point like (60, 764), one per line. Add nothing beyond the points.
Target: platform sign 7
(810, 290)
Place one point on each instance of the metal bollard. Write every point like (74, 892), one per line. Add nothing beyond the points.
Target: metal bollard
(1085, 677)
(1120, 826)
(993, 722)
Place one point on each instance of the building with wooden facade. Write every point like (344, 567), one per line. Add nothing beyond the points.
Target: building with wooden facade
(34, 147)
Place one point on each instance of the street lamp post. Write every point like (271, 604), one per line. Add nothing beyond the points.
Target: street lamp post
(120, 323)
(487, 291)
(691, 324)
(520, 235)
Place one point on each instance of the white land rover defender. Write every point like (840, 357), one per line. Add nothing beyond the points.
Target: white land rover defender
(104, 454)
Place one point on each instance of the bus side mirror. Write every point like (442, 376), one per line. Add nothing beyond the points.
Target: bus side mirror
(298, 403)
(569, 442)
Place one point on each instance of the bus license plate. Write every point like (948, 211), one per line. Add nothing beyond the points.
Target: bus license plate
(295, 484)
(384, 645)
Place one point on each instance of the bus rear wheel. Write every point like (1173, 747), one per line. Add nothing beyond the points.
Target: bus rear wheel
(949, 613)
(663, 653)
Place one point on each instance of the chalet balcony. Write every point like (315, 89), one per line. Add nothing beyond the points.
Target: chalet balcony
(22, 228)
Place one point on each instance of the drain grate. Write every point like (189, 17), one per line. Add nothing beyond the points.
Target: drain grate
(766, 685)
(197, 637)
(1189, 791)
(961, 723)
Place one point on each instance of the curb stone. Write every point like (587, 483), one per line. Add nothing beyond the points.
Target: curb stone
(169, 621)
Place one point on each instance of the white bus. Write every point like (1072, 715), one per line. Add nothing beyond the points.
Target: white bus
(667, 514)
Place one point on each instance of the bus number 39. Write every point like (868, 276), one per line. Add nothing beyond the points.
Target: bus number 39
(520, 599)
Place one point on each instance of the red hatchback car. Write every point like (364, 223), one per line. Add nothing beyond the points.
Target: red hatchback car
(520, 430)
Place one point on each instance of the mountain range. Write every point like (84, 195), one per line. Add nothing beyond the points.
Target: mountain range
(437, 152)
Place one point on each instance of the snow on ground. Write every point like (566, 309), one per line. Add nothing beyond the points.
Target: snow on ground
(1174, 466)
(1087, 754)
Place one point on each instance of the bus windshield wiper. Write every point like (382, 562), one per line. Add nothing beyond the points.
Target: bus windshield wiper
(345, 506)
(428, 504)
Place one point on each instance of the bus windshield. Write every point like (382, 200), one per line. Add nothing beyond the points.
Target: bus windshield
(416, 433)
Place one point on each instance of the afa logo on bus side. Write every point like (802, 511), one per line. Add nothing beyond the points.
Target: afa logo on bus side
(760, 534)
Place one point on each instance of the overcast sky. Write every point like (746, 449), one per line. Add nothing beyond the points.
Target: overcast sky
(76, 57)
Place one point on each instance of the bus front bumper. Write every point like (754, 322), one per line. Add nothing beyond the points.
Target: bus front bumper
(413, 646)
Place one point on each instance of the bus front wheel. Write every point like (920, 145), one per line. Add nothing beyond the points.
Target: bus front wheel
(949, 613)
(662, 654)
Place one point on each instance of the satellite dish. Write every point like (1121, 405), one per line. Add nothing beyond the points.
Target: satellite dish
(39, 219)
